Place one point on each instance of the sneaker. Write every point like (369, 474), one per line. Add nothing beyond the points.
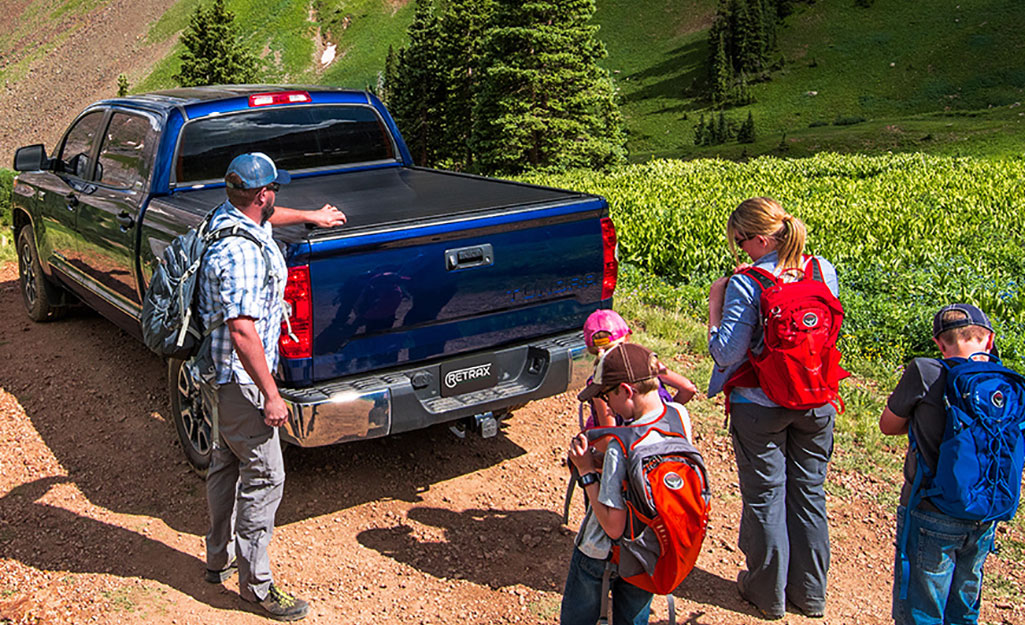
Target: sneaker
(219, 577)
(742, 589)
(281, 606)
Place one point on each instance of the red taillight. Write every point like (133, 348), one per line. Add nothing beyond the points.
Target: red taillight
(610, 258)
(281, 97)
(300, 315)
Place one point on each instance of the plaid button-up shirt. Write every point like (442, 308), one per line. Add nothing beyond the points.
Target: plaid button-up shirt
(235, 282)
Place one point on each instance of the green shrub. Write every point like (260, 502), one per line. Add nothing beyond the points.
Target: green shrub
(6, 181)
(907, 233)
(848, 121)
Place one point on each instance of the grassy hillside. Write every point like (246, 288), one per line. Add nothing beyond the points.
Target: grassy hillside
(940, 76)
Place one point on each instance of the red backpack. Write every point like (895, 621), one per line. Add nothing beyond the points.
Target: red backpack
(667, 500)
(799, 367)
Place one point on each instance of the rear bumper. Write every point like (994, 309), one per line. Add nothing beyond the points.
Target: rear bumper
(408, 399)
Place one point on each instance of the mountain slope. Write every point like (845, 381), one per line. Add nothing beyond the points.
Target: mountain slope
(56, 56)
(941, 76)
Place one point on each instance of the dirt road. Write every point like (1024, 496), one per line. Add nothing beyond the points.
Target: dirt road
(102, 521)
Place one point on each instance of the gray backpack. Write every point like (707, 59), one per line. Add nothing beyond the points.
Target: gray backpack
(171, 326)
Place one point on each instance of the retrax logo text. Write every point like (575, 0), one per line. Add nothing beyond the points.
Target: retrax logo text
(452, 378)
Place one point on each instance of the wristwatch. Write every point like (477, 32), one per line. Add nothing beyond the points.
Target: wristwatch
(587, 478)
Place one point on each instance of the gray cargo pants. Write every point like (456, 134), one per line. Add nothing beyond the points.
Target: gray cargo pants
(782, 457)
(244, 485)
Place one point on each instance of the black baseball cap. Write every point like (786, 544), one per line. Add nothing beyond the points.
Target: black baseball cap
(972, 317)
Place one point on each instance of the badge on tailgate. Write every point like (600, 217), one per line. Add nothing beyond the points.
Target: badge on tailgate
(468, 374)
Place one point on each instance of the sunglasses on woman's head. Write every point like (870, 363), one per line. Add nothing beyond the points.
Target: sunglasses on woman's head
(274, 186)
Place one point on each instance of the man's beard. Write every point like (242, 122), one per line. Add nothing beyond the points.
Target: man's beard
(266, 212)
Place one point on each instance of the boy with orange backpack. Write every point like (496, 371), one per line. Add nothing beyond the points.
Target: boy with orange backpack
(652, 485)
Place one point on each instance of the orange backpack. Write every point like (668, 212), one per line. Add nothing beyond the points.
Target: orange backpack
(667, 499)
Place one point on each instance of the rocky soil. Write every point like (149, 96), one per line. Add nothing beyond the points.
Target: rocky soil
(55, 62)
(101, 521)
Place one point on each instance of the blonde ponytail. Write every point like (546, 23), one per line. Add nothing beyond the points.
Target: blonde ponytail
(764, 216)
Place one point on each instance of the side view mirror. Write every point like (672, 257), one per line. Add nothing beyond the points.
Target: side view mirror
(31, 158)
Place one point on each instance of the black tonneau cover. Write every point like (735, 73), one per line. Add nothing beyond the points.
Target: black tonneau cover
(377, 197)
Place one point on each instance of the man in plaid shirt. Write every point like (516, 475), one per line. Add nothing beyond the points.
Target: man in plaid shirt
(241, 294)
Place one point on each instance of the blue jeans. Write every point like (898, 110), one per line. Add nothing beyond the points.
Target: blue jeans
(945, 580)
(581, 599)
(782, 456)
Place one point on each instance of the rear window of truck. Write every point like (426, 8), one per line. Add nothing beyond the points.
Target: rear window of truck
(296, 137)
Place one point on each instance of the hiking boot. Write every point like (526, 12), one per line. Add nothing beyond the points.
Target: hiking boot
(765, 614)
(214, 576)
(281, 606)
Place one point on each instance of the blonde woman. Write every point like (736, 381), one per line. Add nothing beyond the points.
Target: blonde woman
(781, 454)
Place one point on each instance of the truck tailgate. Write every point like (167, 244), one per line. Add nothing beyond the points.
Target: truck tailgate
(435, 265)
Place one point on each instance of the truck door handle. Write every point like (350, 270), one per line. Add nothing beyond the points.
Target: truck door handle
(126, 220)
(466, 257)
(72, 200)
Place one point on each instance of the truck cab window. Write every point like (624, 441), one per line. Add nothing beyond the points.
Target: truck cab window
(78, 146)
(124, 160)
(296, 137)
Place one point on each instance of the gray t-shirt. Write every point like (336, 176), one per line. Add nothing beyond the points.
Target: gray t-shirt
(592, 540)
(919, 397)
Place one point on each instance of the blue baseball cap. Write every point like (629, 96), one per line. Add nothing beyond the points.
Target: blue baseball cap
(256, 170)
(971, 316)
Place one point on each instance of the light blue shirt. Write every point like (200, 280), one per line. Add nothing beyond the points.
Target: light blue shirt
(741, 328)
(236, 282)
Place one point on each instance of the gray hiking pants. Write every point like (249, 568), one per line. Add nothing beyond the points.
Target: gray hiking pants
(244, 485)
(781, 462)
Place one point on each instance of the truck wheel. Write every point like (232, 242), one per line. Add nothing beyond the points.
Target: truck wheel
(191, 415)
(40, 295)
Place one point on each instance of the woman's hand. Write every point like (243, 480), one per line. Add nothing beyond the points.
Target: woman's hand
(716, 297)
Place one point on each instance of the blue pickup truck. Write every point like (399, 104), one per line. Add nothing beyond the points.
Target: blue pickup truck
(446, 298)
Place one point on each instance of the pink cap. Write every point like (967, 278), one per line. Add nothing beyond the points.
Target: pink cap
(603, 328)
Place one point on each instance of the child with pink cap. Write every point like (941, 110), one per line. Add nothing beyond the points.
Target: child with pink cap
(605, 328)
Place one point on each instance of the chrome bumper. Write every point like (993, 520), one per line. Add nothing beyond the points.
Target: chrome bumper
(378, 405)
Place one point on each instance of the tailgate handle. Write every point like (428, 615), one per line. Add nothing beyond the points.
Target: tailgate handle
(466, 257)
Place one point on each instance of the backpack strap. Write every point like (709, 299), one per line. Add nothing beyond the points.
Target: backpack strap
(765, 278)
(209, 238)
(813, 269)
(605, 617)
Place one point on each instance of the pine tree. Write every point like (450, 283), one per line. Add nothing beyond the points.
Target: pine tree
(722, 73)
(214, 54)
(699, 132)
(746, 134)
(461, 48)
(722, 129)
(759, 44)
(746, 37)
(543, 100)
(122, 85)
(388, 78)
(416, 95)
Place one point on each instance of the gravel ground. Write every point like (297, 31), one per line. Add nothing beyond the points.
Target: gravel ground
(102, 521)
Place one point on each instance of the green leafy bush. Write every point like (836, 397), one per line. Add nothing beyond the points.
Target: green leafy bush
(907, 233)
(6, 182)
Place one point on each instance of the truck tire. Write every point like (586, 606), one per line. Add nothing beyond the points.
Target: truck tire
(43, 299)
(192, 417)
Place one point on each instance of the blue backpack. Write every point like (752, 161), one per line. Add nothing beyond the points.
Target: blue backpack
(979, 469)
